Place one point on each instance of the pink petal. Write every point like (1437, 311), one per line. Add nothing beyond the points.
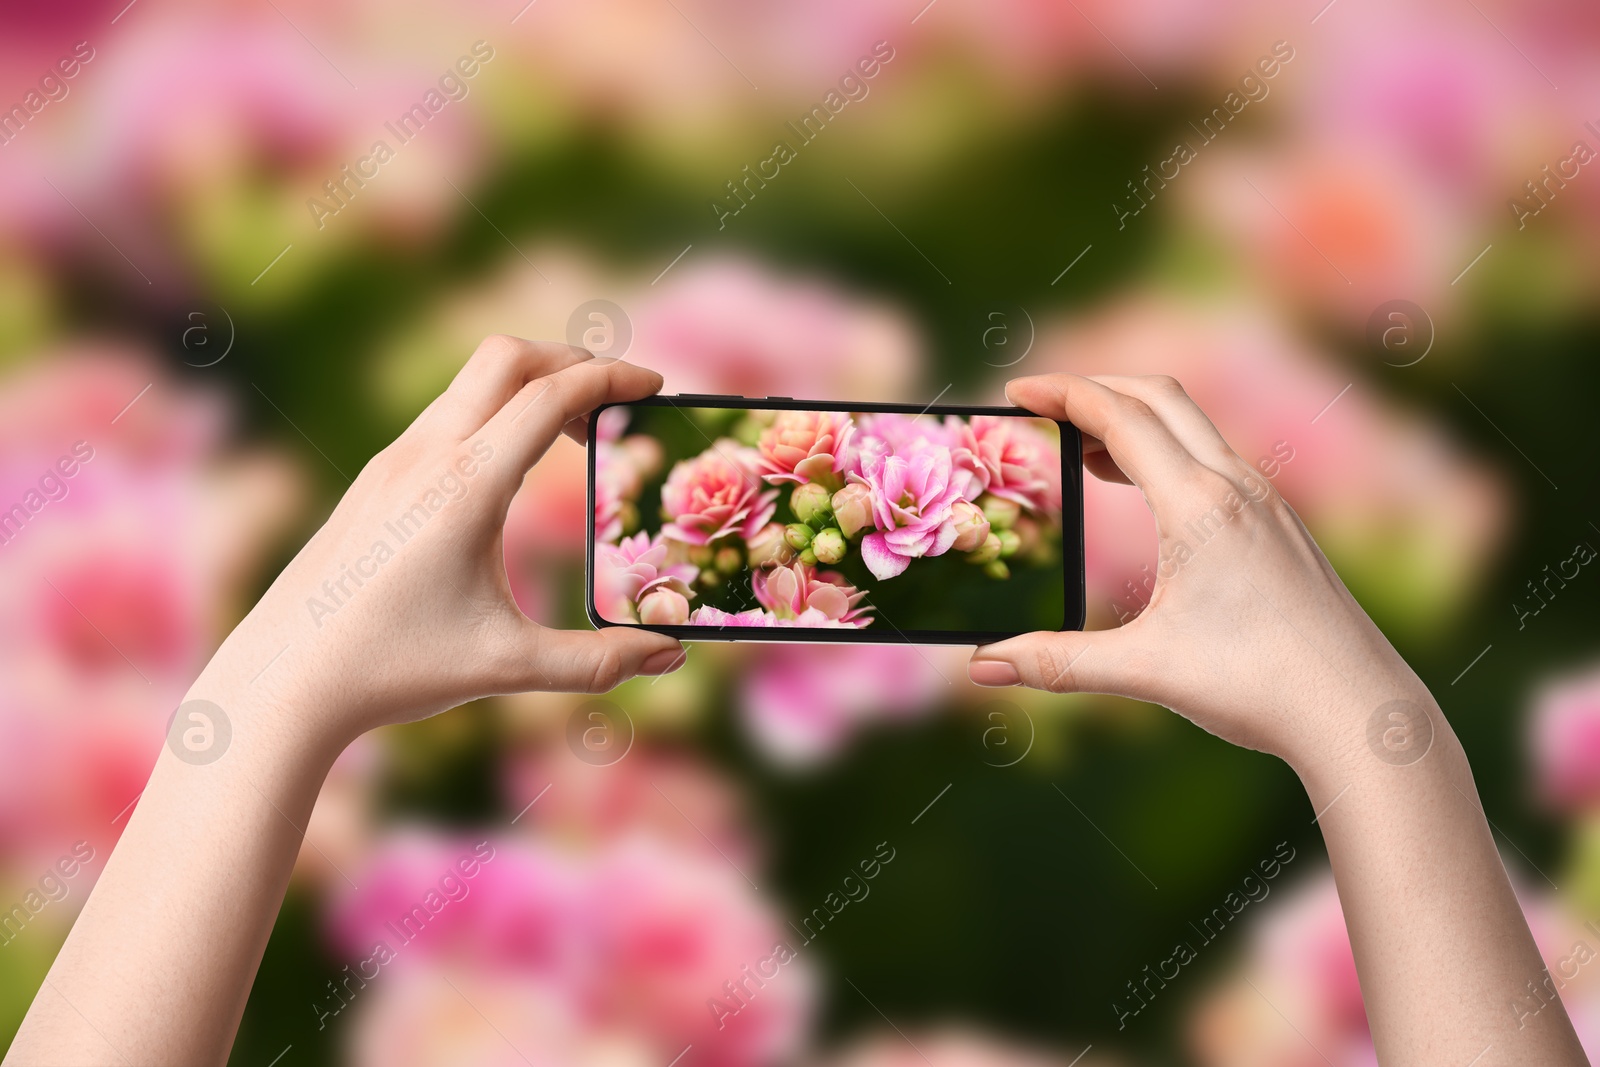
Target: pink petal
(814, 467)
(880, 560)
(828, 599)
(893, 477)
(943, 538)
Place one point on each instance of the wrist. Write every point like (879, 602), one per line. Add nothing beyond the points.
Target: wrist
(1386, 729)
(254, 717)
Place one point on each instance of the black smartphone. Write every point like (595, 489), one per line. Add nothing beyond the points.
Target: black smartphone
(727, 518)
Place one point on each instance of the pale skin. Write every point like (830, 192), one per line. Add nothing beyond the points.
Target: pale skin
(1254, 639)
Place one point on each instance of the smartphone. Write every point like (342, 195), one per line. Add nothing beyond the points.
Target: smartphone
(729, 518)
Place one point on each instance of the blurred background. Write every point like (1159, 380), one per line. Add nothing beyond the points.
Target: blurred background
(1356, 233)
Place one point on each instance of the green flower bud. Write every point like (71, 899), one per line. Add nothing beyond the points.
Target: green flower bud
(700, 556)
(829, 546)
(996, 568)
(810, 502)
(1000, 512)
(984, 553)
(798, 534)
(1009, 542)
(808, 557)
(728, 559)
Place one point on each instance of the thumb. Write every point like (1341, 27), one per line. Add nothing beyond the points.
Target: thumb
(1093, 661)
(574, 661)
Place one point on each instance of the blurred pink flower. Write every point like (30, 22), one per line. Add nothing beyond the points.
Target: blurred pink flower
(116, 584)
(170, 174)
(415, 1018)
(911, 499)
(716, 494)
(511, 909)
(1299, 959)
(805, 446)
(589, 807)
(628, 572)
(667, 932)
(1338, 230)
(731, 325)
(621, 945)
(791, 591)
(802, 703)
(1566, 741)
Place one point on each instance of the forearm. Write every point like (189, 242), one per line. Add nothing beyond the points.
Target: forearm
(159, 964)
(1442, 948)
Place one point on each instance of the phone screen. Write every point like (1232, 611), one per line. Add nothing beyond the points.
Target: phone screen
(784, 520)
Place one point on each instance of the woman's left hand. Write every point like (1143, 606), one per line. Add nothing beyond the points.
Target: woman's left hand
(399, 607)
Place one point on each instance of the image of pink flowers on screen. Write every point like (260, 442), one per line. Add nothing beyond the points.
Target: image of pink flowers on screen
(825, 519)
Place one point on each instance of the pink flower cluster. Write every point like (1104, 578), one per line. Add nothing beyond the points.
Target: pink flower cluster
(634, 582)
(898, 487)
(922, 479)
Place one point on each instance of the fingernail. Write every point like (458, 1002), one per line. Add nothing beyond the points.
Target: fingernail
(668, 659)
(992, 672)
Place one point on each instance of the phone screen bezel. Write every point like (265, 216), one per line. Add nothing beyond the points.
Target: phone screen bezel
(1073, 593)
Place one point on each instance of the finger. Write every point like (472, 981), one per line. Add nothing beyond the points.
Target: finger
(578, 429)
(1094, 661)
(1098, 462)
(1191, 426)
(495, 372)
(577, 661)
(525, 428)
(1135, 436)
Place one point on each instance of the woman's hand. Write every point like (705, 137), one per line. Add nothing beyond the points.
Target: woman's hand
(400, 607)
(1249, 632)
(1251, 635)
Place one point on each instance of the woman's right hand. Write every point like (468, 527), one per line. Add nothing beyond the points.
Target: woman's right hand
(1248, 633)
